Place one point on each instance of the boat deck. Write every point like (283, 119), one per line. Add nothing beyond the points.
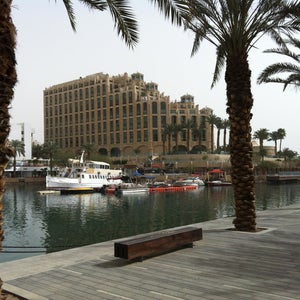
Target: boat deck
(226, 264)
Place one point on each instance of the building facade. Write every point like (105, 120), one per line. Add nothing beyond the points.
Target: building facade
(123, 115)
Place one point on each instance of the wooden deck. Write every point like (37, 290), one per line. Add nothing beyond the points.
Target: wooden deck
(226, 264)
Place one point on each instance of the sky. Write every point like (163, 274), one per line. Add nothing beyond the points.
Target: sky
(49, 52)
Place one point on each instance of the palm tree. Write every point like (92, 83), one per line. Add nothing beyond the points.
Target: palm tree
(219, 125)
(18, 149)
(261, 134)
(234, 27)
(281, 135)
(50, 149)
(273, 136)
(291, 70)
(188, 125)
(212, 119)
(226, 125)
(176, 129)
(198, 132)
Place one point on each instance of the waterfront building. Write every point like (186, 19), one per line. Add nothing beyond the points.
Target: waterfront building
(123, 115)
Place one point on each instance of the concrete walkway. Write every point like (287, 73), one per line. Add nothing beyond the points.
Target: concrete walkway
(224, 265)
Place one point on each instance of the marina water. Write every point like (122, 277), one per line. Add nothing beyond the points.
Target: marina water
(35, 224)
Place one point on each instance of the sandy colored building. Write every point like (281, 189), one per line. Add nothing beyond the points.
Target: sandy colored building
(123, 115)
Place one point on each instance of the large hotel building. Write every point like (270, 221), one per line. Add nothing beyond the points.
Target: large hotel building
(123, 115)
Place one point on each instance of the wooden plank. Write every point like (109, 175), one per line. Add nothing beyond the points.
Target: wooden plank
(157, 243)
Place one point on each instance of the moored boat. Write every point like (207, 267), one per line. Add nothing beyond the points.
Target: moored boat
(84, 175)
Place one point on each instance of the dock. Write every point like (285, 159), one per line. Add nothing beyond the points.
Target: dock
(284, 177)
(225, 264)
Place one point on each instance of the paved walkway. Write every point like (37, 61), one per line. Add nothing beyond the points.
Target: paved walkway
(224, 265)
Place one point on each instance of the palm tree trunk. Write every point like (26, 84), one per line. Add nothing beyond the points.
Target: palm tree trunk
(239, 105)
(8, 80)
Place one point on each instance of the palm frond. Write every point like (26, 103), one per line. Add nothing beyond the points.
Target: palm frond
(70, 11)
(124, 21)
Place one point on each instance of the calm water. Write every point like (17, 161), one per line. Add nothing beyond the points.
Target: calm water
(46, 223)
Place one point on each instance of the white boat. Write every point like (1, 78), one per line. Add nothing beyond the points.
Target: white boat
(192, 181)
(81, 174)
(131, 189)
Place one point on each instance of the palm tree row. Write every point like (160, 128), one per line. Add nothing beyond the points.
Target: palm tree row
(264, 134)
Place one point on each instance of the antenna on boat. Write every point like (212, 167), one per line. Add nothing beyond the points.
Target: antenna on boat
(82, 156)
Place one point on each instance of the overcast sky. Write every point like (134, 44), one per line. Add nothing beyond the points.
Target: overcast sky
(49, 52)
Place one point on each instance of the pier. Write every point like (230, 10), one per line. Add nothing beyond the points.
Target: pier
(225, 264)
(284, 177)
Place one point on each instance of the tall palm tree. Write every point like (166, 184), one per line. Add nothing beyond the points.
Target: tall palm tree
(18, 149)
(234, 27)
(219, 125)
(273, 136)
(198, 131)
(226, 125)
(188, 125)
(291, 71)
(212, 119)
(176, 129)
(261, 134)
(281, 135)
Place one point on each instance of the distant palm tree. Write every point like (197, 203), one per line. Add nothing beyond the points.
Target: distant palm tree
(50, 149)
(88, 149)
(281, 135)
(261, 134)
(176, 129)
(18, 149)
(291, 70)
(274, 136)
(219, 125)
(212, 119)
(226, 125)
(198, 131)
(188, 125)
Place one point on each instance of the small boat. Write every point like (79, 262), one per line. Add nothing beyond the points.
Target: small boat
(131, 188)
(196, 181)
(176, 188)
(83, 176)
(217, 177)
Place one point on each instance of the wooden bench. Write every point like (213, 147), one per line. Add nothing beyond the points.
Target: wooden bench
(157, 243)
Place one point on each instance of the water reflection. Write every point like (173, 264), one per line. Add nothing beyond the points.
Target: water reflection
(56, 222)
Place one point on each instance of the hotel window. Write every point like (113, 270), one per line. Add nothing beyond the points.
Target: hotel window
(86, 92)
(138, 109)
(155, 135)
(130, 137)
(111, 113)
(145, 122)
(124, 98)
(112, 140)
(154, 121)
(111, 102)
(124, 124)
(104, 102)
(124, 111)
(98, 90)
(130, 123)
(125, 137)
(138, 122)
(154, 108)
(87, 104)
(80, 94)
(145, 135)
(92, 91)
(139, 136)
(130, 97)
(118, 138)
(117, 99)
(111, 125)
(130, 110)
(145, 108)
(98, 102)
(163, 109)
